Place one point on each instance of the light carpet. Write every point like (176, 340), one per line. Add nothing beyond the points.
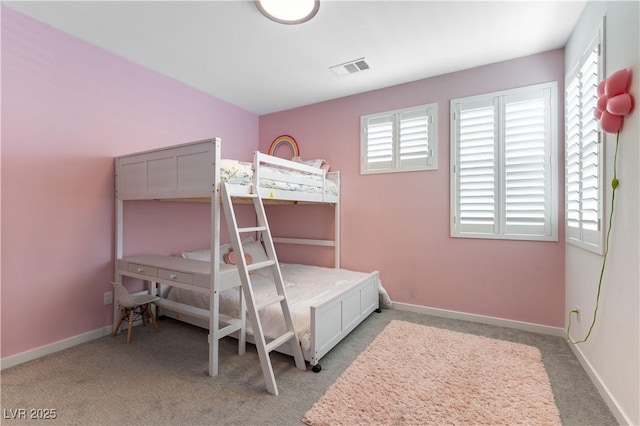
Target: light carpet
(414, 374)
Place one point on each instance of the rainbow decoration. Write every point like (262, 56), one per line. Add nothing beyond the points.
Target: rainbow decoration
(284, 140)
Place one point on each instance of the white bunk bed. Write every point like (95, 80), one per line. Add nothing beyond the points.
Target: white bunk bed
(194, 172)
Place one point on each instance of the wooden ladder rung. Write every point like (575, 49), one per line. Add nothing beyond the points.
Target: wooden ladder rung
(241, 195)
(279, 341)
(252, 229)
(234, 325)
(269, 303)
(260, 265)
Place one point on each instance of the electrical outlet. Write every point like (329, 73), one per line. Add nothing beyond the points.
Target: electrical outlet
(577, 311)
(108, 297)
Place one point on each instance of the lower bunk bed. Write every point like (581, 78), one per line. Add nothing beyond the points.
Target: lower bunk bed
(326, 303)
(196, 172)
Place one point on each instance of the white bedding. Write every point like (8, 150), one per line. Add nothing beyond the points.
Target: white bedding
(241, 173)
(305, 285)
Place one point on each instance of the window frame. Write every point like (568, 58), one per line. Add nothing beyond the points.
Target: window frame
(396, 165)
(580, 236)
(500, 228)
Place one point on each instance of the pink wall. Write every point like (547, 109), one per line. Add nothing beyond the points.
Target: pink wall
(67, 109)
(399, 223)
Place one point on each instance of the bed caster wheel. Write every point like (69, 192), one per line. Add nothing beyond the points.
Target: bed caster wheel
(377, 311)
(316, 368)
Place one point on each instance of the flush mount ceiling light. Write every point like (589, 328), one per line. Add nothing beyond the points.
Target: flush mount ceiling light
(288, 11)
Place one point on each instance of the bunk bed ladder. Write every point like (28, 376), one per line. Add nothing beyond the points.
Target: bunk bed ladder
(244, 269)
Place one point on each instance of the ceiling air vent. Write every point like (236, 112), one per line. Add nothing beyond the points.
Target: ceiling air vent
(350, 67)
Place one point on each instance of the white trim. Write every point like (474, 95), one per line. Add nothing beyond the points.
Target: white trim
(60, 345)
(611, 402)
(500, 322)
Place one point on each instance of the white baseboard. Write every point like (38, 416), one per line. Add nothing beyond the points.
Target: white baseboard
(519, 325)
(32, 354)
(611, 402)
(501, 322)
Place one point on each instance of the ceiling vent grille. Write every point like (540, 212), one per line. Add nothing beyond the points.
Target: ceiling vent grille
(350, 67)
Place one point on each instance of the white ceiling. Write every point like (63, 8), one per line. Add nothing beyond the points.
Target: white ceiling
(230, 50)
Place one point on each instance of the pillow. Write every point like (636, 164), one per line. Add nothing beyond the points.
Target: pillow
(231, 258)
(314, 163)
(319, 163)
(205, 254)
(255, 250)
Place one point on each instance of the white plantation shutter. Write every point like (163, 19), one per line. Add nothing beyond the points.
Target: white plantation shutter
(583, 156)
(526, 166)
(402, 140)
(503, 173)
(380, 142)
(572, 158)
(414, 139)
(476, 168)
(589, 144)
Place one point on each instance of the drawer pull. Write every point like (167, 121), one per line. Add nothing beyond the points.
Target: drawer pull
(175, 276)
(142, 270)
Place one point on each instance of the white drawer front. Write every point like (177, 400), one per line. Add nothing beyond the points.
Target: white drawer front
(180, 277)
(142, 270)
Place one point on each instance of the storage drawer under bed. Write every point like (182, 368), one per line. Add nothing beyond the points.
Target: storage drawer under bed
(142, 270)
(178, 271)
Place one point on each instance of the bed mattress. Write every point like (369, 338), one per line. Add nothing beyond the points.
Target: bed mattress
(305, 286)
(241, 173)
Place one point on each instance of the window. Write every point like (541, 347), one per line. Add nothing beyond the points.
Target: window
(399, 141)
(504, 164)
(584, 151)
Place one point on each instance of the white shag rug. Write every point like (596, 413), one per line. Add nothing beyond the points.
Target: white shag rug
(418, 375)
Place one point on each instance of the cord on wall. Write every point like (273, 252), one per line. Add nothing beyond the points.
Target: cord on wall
(614, 184)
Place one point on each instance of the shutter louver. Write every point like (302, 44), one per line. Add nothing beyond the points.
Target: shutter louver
(476, 169)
